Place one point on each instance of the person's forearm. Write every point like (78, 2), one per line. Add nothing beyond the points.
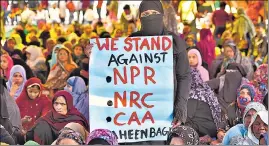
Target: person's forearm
(183, 80)
(213, 83)
(182, 98)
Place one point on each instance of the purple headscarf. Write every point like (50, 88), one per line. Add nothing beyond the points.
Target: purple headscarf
(105, 134)
(80, 95)
(201, 91)
(16, 69)
(204, 73)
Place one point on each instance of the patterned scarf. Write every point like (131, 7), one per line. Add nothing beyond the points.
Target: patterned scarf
(202, 92)
(70, 134)
(187, 134)
(105, 134)
(260, 81)
(241, 100)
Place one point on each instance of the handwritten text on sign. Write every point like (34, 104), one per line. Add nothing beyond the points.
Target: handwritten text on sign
(131, 87)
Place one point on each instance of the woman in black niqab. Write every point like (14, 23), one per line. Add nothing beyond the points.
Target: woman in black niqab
(151, 12)
(151, 16)
(226, 89)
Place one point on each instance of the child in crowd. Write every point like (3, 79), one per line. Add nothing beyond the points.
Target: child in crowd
(32, 103)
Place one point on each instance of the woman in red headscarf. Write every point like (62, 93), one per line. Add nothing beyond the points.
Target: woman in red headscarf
(32, 103)
(207, 46)
(47, 128)
(5, 66)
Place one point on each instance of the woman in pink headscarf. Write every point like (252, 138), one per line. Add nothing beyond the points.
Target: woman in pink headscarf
(6, 65)
(260, 82)
(195, 60)
(207, 46)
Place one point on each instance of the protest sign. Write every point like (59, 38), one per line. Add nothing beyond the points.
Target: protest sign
(131, 87)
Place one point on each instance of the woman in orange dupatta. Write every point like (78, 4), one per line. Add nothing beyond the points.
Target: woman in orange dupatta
(60, 71)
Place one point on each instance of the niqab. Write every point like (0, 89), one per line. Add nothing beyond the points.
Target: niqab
(152, 25)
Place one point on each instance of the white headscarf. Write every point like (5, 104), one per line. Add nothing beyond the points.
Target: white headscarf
(264, 117)
(244, 138)
(253, 105)
(36, 56)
